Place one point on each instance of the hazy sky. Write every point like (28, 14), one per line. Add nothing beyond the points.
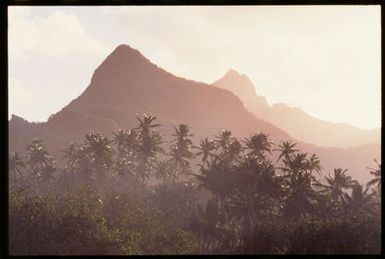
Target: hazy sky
(324, 59)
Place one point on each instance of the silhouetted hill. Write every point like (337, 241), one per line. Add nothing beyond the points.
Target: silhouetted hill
(295, 121)
(126, 84)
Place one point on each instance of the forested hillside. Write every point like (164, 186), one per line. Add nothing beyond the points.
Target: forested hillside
(137, 193)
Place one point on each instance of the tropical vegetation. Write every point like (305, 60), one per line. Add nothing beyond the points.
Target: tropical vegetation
(137, 193)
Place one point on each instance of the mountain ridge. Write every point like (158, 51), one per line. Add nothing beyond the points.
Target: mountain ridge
(296, 121)
(126, 84)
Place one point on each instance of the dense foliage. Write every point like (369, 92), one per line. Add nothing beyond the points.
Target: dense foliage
(138, 194)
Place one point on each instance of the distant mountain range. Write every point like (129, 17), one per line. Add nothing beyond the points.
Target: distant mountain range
(126, 84)
(295, 121)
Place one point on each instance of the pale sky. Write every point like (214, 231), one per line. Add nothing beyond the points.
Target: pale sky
(323, 59)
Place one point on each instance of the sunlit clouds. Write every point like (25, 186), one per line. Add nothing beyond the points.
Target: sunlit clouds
(58, 35)
(324, 59)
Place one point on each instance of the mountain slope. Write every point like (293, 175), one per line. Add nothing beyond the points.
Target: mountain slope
(295, 121)
(126, 83)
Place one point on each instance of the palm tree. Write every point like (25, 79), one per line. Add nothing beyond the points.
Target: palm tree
(300, 196)
(40, 163)
(79, 163)
(126, 141)
(120, 140)
(233, 152)
(182, 136)
(218, 178)
(71, 155)
(377, 176)
(100, 152)
(337, 183)
(68, 176)
(258, 189)
(148, 147)
(223, 140)
(206, 148)
(314, 164)
(179, 162)
(37, 155)
(295, 164)
(286, 149)
(228, 146)
(259, 178)
(258, 144)
(146, 124)
(181, 151)
(359, 199)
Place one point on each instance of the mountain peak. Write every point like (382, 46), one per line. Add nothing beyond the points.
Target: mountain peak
(124, 49)
(232, 72)
(241, 86)
(125, 54)
(237, 83)
(124, 46)
(122, 61)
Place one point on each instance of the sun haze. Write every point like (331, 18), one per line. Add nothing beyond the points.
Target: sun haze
(323, 59)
